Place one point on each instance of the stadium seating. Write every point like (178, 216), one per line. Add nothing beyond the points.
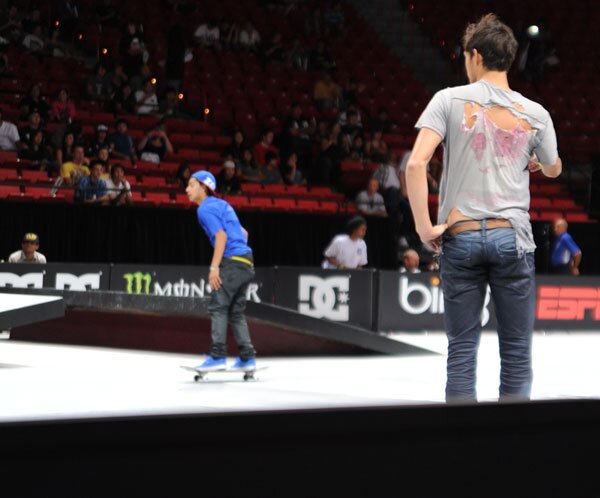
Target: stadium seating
(231, 89)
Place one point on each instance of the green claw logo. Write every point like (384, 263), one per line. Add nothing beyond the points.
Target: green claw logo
(138, 282)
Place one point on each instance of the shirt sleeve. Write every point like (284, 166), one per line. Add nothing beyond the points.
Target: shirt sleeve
(14, 134)
(547, 149)
(101, 188)
(363, 257)
(65, 171)
(332, 249)
(361, 201)
(435, 116)
(570, 243)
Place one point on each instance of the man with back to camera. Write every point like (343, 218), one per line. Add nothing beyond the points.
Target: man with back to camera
(493, 138)
(348, 251)
(29, 251)
(231, 270)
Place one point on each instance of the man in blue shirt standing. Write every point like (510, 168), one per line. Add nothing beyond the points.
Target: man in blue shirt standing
(231, 270)
(566, 254)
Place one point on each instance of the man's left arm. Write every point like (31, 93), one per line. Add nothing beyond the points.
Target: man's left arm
(575, 263)
(576, 255)
(214, 278)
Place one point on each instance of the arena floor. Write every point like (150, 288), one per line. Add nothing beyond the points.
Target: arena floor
(40, 381)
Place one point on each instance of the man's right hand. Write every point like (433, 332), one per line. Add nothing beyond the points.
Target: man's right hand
(431, 237)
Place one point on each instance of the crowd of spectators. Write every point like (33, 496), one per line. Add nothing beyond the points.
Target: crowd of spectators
(308, 147)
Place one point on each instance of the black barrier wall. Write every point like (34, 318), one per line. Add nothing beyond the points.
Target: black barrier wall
(381, 301)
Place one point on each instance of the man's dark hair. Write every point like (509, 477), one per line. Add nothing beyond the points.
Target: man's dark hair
(355, 223)
(121, 120)
(115, 167)
(494, 40)
(94, 162)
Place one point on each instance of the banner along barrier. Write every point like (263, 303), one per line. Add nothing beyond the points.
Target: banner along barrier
(381, 301)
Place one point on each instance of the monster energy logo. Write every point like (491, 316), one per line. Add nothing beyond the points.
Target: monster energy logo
(138, 282)
(142, 283)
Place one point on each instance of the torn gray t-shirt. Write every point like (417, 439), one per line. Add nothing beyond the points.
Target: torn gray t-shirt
(485, 171)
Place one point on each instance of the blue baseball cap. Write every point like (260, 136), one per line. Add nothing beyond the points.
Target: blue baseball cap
(206, 178)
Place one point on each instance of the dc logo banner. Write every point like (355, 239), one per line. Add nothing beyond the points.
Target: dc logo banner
(35, 280)
(324, 297)
(87, 281)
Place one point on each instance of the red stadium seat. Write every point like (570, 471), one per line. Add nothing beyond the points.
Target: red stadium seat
(578, 218)
(183, 200)
(44, 194)
(284, 204)
(139, 200)
(261, 202)
(274, 189)
(238, 201)
(252, 188)
(153, 181)
(540, 202)
(8, 174)
(308, 205)
(35, 176)
(328, 207)
(160, 198)
(9, 191)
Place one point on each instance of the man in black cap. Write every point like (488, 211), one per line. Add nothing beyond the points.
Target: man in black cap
(28, 253)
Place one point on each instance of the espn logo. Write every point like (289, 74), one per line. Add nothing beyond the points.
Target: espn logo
(568, 303)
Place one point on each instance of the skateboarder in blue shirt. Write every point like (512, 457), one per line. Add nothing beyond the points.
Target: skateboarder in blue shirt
(231, 270)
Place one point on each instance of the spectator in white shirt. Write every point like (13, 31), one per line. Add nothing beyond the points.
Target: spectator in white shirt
(208, 35)
(9, 135)
(28, 252)
(249, 37)
(118, 188)
(147, 101)
(348, 250)
(369, 202)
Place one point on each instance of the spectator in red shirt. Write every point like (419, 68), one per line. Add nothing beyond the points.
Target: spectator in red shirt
(63, 108)
(263, 147)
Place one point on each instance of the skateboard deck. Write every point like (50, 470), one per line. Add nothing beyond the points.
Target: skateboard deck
(200, 374)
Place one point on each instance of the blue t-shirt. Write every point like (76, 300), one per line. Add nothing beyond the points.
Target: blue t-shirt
(564, 249)
(215, 214)
(87, 190)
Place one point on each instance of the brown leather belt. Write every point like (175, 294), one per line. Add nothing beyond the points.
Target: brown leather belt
(466, 225)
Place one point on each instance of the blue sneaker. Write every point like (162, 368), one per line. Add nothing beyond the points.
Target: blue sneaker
(244, 366)
(211, 363)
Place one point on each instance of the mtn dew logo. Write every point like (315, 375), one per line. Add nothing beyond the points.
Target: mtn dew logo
(138, 282)
(150, 283)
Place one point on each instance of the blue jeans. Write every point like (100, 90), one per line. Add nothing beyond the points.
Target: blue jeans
(471, 261)
(227, 307)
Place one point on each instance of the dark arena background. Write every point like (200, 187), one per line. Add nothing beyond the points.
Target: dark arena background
(294, 106)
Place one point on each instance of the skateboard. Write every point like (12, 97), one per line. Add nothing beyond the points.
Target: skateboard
(201, 374)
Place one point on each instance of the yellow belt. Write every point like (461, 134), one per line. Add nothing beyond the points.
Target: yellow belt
(243, 260)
